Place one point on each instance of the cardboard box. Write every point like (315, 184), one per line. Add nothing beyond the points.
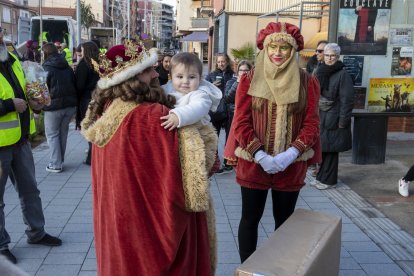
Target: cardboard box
(308, 243)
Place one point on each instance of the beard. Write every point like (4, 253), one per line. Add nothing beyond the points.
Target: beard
(4, 54)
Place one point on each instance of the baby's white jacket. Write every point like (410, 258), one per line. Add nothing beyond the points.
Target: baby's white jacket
(195, 105)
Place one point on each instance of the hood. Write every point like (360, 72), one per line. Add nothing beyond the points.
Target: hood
(213, 92)
(56, 61)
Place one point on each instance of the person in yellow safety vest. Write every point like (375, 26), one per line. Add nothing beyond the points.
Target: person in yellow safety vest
(16, 158)
(66, 37)
(68, 53)
(43, 36)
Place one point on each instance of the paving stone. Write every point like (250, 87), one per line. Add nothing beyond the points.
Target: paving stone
(383, 270)
(356, 236)
(353, 272)
(61, 270)
(397, 252)
(65, 258)
(407, 266)
(348, 263)
(371, 257)
(380, 236)
(360, 246)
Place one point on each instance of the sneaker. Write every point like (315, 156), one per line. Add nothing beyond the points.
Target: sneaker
(224, 170)
(47, 240)
(403, 187)
(322, 186)
(8, 255)
(314, 182)
(49, 168)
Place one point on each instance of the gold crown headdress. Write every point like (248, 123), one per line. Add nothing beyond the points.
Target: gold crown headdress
(122, 62)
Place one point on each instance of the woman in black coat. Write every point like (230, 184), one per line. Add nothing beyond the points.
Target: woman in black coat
(219, 78)
(335, 109)
(86, 79)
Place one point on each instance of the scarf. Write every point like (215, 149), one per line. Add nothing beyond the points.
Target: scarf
(280, 85)
(324, 72)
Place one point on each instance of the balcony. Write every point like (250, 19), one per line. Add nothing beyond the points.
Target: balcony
(199, 22)
(206, 7)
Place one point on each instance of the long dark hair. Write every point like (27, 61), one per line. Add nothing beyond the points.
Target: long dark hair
(228, 60)
(130, 90)
(90, 51)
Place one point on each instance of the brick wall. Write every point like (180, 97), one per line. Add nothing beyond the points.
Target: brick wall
(401, 124)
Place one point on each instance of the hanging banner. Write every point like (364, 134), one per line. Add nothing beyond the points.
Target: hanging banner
(363, 26)
(354, 65)
(402, 60)
(391, 95)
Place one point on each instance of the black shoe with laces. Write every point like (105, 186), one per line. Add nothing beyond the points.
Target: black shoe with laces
(225, 169)
(9, 256)
(47, 240)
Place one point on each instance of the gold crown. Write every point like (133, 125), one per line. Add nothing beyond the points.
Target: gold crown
(105, 69)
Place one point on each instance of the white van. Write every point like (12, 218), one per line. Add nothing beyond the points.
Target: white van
(55, 26)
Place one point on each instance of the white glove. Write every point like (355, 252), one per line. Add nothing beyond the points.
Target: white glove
(266, 161)
(284, 159)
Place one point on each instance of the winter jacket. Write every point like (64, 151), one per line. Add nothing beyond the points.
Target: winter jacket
(336, 122)
(163, 74)
(230, 94)
(221, 113)
(312, 64)
(61, 83)
(86, 79)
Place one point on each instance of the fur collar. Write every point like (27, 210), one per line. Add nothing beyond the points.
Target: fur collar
(102, 130)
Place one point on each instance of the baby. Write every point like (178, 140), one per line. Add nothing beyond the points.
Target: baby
(194, 97)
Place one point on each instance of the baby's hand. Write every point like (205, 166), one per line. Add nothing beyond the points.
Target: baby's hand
(171, 121)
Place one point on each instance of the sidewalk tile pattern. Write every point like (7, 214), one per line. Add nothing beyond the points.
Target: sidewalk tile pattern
(371, 243)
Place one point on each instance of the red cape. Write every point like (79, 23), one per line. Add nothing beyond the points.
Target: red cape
(141, 225)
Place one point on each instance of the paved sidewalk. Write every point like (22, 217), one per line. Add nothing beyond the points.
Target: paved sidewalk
(371, 243)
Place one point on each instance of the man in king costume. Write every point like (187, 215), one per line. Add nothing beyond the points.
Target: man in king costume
(151, 205)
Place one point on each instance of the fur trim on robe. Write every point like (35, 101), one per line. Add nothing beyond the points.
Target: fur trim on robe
(198, 146)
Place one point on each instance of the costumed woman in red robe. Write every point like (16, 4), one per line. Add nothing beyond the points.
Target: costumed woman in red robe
(151, 206)
(275, 131)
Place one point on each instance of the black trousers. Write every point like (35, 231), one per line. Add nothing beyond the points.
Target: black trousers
(253, 204)
(218, 125)
(410, 174)
(328, 170)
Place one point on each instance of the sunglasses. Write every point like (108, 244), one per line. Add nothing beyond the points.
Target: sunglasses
(319, 51)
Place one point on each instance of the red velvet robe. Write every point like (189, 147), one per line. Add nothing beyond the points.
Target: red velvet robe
(249, 130)
(141, 225)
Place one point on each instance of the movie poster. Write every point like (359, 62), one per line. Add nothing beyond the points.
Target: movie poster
(391, 95)
(402, 60)
(360, 94)
(363, 26)
(354, 65)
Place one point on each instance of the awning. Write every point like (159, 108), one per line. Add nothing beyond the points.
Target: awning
(310, 45)
(195, 36)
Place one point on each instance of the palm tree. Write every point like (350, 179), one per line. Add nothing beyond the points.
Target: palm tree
(245, 52)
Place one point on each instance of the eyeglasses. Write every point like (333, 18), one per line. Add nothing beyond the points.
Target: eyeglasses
(319, 51)
(244, 70)
(330, 56)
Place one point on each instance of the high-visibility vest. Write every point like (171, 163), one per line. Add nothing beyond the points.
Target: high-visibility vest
(66, 39)
(103, 50)
(43, 35)
(68, 56)
(10, 130)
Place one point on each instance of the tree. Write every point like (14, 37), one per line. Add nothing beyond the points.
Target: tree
(87, 17)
